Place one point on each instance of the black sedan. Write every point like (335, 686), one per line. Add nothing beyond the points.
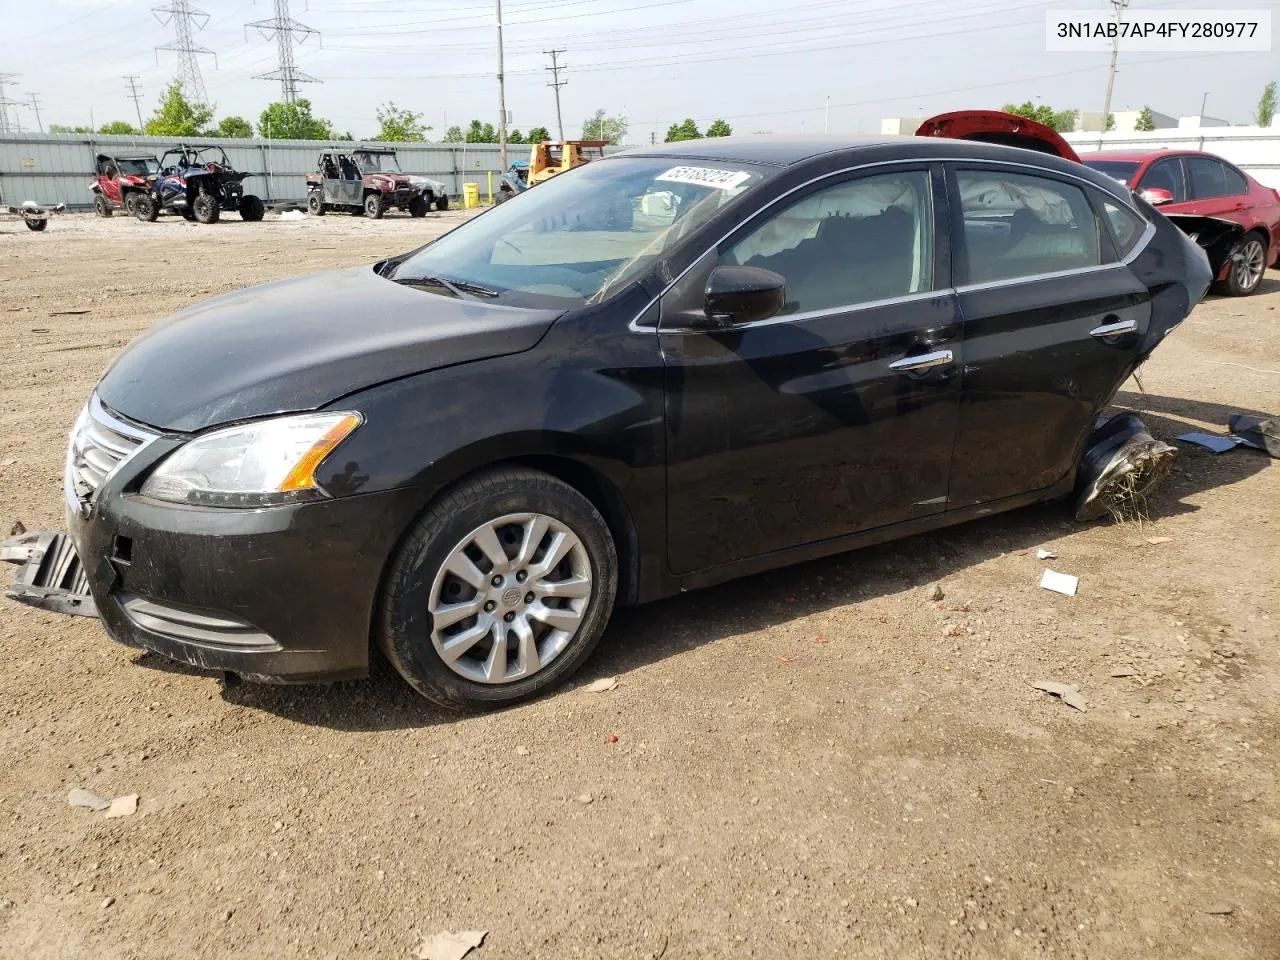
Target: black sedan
(656, 372)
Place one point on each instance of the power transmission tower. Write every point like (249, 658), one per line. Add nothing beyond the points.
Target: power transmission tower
(35, 105)
(186, 20)
(556, 83)
(6, 103)
(286, 32)
(1119, 6)
(135, 95)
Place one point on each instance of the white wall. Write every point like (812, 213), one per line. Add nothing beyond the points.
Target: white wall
(1253, 149)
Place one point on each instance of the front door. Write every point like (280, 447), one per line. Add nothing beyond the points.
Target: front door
(836, 415)
(1052, 325)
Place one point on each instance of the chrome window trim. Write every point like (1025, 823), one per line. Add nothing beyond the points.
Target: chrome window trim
(1127, 201)
(819, 314)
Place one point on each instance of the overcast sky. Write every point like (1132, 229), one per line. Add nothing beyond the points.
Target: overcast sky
(760, 64)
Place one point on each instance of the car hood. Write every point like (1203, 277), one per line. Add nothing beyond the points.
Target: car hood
(299, 344)
(995, 126)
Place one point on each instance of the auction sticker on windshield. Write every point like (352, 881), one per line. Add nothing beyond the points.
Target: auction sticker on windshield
(706, 177)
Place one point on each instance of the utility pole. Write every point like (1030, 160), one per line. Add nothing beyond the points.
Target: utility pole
(5, 102)
(826, 115)
(286, 32)
(502, 99)
(556, 83)
(186, 20)
(1119, 6)
(35, 105)
(135, 95)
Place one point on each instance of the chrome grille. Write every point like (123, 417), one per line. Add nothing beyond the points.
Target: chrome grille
(99, 445)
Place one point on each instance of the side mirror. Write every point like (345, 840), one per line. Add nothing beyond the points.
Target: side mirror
(738, 295)
(1156, 196)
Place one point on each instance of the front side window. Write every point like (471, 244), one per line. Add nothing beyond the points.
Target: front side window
(1165, 175)
(1023, 226)
(854, 242)
(583, 234)
(1119, 170)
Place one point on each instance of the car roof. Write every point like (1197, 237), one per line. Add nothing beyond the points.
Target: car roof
(1140, 155)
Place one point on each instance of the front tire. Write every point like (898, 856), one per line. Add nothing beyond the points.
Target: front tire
(442, 202)
(316, 206)
(419, 206)
(374, 207)
(205, 208)
(500, 591)
(100, 205)
(251, 208)
(1248, 265)
(146, 208)
(36, 225)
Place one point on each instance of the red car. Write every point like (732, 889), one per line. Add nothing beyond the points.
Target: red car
(1202, 185)
(1232, 216)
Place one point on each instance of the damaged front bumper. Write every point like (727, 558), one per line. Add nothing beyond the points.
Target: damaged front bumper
(50, 575)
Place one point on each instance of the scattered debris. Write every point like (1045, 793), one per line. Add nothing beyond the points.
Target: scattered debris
(1260, 433)
(1063, 583)
(108, 902)
(450, 946)
(1220, 909)
(1046, 555)
(821, 640)
(603, 685)
(83, 798)
(293, 215)
(585, 799)
(125, 806)
(1122, 465)
(1124, 672)
(1068, 694)
(786, 659)
(522, 751)
(935, 593)
(612, 738)
(68, 313)
(1211, 441)
(1156, 541)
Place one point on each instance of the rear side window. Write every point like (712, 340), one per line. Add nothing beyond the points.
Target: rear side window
(1236, 184)
(1208, 178)
(1023, 226)
(1126, 226)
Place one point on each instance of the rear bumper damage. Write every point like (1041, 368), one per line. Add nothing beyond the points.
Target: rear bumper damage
(1122, 466)
(1217, 237)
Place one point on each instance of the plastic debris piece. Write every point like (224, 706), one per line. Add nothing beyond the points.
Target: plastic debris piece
(1046, 555)
(450, 946)
(1220, 909)
(1260, 433)
(1067, 694)
(1063, 583)
(83, 798)
(603, 685)
(1211, 441)
(125, 806)
(1122, 465)
(1124, 672)
(1156, 541)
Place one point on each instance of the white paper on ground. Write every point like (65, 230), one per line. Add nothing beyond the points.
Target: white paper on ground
(1063, 583)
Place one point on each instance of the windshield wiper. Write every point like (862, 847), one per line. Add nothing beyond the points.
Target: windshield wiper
(456, 287)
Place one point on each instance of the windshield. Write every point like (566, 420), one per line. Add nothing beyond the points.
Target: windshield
(582, 234)
(138, 167)
(377, 163)
(1122, 170)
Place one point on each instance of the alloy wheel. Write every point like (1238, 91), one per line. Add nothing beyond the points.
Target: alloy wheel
(1250, 265)
(510, 598)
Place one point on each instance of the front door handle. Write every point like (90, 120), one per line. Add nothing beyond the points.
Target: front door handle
(1114, 329)
(922, 361)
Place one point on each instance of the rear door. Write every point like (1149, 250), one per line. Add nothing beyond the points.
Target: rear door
(1215, 189)
(836, 415)
(1052, 321)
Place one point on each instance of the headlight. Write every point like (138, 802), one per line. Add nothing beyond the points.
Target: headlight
(253, 465)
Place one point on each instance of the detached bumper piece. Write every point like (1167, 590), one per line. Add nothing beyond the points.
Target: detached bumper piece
(50, 575)
(1122, 465)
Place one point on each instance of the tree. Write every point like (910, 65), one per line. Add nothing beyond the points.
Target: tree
(539, 135)
(1063, 121)
(719, 129)
(293, 121)
(688, 130)
(1111, 123)
(176, 116)
(1266, 106)
(119, 128)
(236, 128)
(602, 127)
(1145, 120)
(515, 136)
(63, 128)
(481, 133)
(453, 135)
(400, 126)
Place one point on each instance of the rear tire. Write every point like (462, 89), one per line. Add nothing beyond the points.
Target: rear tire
(374, 207)
(36, 225)
(419, 206)
(1247, 267)
(251, 208)
(316, 206)
(418, 582)
(130, 204)
(442, 202)
(205, 208)
(146, 208)
(100, 205)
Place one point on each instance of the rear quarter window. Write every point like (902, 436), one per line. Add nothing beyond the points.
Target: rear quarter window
(1126, 226)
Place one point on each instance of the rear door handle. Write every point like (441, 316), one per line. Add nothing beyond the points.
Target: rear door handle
(1114, 329)
(922, 361)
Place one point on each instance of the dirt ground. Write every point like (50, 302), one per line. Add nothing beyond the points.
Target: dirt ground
(819, 762)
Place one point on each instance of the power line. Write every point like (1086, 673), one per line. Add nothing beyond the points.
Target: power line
(6, 103)
(35, 105)
(186, 20)
(135, 95)
(557, 83)
(286, 32)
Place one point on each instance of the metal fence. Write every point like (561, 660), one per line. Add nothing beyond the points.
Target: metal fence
(57, 168)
